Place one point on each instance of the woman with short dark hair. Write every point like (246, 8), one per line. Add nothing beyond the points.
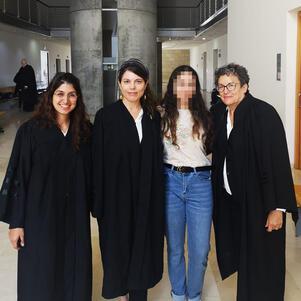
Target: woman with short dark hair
(253, 188)
(45, 197)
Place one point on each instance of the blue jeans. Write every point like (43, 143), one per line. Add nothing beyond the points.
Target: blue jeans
(188, 202)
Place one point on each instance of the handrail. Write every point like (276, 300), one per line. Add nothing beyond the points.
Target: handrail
(182, 6)
(208, 11)
(52, 6)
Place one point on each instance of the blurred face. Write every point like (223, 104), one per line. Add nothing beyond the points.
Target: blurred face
(184, 87)
(132, 86)
(230, 90)
(64, 99)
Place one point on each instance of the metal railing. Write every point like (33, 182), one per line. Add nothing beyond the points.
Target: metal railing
(210, 8)
(190, 17)
(178, 17)
(37, 13)
(34, 13)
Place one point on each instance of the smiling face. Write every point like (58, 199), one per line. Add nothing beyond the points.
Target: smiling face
(64, 99)
(231, 98)
(132, 86)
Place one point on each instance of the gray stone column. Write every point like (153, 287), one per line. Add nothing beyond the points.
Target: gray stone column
(86, 50)
(159, 69)
(137, 32)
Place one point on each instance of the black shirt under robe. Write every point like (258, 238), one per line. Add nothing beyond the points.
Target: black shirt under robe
(260, 179)
(46, 192)
(129, 199)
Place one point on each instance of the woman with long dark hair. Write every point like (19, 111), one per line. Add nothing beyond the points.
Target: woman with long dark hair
(187, 137)
(45, 197)
(128, 186)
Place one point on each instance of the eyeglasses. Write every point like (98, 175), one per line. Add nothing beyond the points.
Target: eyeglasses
(230, 87)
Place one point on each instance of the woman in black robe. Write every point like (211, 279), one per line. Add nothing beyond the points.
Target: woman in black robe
(128, 186)
(253, 188)
(45, 197)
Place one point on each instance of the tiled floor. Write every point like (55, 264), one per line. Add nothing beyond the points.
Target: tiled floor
(214, 289)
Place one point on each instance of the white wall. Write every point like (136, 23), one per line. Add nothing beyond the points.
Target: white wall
(196, 60)
(257, 31)
(16, 44)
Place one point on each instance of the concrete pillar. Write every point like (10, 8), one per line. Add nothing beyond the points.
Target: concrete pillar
(137, 32)
(86, 50)
(159, 69)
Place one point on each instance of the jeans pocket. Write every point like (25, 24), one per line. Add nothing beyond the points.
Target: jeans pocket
(204, 175)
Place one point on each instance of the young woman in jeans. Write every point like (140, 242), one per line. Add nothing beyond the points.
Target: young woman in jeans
(187, 135)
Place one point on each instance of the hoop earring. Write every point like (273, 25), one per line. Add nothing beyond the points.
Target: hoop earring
(121, 97)
(144, 97)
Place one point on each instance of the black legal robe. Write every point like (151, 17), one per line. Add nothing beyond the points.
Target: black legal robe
(260, 179)
(46, 192)
(128, 199)
(27, 87)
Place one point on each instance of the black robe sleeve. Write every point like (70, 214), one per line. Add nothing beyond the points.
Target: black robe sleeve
(13, 193)
(272, 155)
(97, 159)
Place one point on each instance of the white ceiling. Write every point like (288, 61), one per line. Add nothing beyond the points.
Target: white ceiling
(31, 35)
(217, 30)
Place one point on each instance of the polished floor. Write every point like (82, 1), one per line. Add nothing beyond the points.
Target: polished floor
(214, 288)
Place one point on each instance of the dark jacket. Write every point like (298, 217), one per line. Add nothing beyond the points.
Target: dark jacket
(26, 87)
(46, 192)
(260, 179)
(129, 199)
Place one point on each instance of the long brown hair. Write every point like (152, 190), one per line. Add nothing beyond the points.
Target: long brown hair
(197, 107)
(45, 113)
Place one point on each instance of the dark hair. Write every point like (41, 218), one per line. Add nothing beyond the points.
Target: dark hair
(79, 121)
(148, 101)
(200, 114)
(233, 69)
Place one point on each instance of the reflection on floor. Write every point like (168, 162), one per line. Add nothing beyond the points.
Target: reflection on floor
(214, 289)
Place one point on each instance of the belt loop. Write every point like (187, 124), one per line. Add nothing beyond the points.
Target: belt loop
(194, 169)
(172, 167)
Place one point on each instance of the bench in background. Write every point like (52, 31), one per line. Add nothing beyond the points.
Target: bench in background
(8, 98)
(1, 114)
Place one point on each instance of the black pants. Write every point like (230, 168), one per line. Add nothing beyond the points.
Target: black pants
(138, 295)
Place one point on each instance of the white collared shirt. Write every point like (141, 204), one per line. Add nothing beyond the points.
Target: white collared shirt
(138, 122)
(229, 129)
